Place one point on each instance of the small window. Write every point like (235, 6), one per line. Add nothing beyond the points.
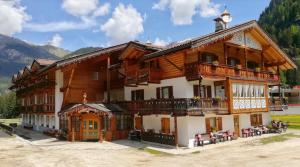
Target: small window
(252, 65)
(137, 94)
(95, 125)
(84, 124)
(90, 124)
(232, 61)
(95, 76)
(209, 57)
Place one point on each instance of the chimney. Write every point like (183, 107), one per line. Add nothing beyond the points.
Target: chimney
(223, 20)
(219, 24)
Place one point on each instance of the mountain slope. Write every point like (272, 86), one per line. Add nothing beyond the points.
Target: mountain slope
(59, 52)
(282, 21)
(82, 50)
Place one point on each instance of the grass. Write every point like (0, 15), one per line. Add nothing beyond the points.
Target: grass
(154, 152)
(293, 120)
(279, 138)
(8, 121)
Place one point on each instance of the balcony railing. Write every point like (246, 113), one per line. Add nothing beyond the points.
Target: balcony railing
(195, 70)
(178, 106)
(144, 75)
(37, 108)
(46, 83)
(277, 104)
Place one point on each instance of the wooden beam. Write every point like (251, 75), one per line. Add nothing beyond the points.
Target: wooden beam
(68, 86)
(176, 131)
(262, 61)
(225, 53)
(178, 68)
(108, 80)
(275, 64)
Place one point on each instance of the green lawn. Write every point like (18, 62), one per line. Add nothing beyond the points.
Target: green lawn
(293, 120)
(8, 121)
(279, 138)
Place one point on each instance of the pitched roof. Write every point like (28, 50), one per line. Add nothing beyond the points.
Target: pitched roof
(45, 62)
(215, 36)
(89, 55)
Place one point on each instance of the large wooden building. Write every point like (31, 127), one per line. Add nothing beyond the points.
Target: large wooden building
(219, 81)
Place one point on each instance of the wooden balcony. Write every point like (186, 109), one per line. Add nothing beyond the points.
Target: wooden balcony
(177, 106)
(195, 70)
(37, 108)
(142, 76)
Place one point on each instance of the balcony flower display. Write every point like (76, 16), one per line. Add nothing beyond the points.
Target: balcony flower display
(215, 63)
(238, 67)
(257, 69)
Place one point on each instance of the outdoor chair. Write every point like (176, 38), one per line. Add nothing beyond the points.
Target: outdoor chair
(245, 133)
(213, 138)
(198, 140)
(251, 132)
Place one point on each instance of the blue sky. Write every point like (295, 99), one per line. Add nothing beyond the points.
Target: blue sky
(71, 25)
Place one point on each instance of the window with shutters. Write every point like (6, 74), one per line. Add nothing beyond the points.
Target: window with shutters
(137, 94)
(165, 125)
(213, 124)
(205, 91)
(164, 92)
(256, 119)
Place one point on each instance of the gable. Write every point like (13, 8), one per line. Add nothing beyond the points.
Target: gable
(245, 40)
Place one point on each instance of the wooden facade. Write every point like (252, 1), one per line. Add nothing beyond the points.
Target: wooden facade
(241, 58)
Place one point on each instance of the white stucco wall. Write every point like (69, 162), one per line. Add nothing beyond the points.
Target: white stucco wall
(266, 118)
(181, 88)
(154, 122)
(227, 123)
(59, 79)
(244, 121)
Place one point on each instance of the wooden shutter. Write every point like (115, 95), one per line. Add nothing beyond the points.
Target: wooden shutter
(138, 123)
(165, 125)
(158, 93)
(170, 89)
(260, 119)
(207, 123)
(208, 90)
(219, 123)
(133, 95)
(196, 90)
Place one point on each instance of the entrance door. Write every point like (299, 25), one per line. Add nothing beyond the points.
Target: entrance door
(236, 122)
(90, 129)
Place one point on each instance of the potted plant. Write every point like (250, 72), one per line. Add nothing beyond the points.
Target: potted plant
(238, 67)
(215, 63)
(257, 69)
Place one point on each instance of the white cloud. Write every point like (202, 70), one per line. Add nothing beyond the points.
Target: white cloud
(59, 26)
(161, 42)
(56, 40)
(125, 24)
(182, 11)
(85, 8)
(102, 10)
(12, 17)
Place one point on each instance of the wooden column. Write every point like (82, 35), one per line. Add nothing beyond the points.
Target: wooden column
(100, 129)
(225, 54)
(279, 89)
(176, 131)
(69, 127)
(108, 79)
(262, 61)
(245, 52)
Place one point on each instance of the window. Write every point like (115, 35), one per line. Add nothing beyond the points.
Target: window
(95, 76)
(252, 65)
(137, 94)
(232, 61)
(164, 92)
(256, 119)
(124, 122)
(205, 91)
(95, 125)
(47, 121)
(90, 124)
(209, 57)
(165, 125)
(106, 123)
(213, 124)
(75, 124)
(119, 122)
